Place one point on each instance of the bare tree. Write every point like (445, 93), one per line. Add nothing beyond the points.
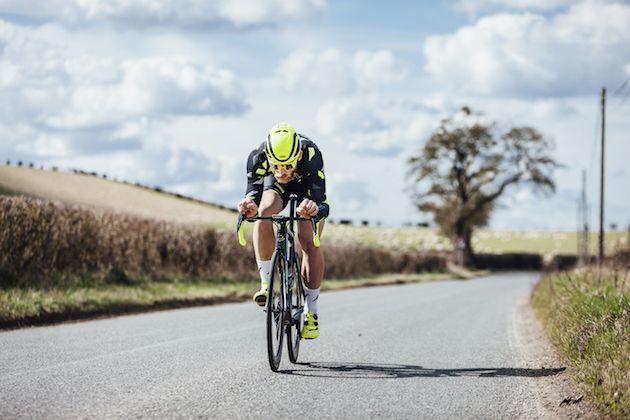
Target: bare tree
(467, 164)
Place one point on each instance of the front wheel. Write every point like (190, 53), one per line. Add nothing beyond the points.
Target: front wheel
(275, 304)
(296, 310)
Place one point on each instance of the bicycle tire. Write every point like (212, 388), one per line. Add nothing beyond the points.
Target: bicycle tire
(275, 305)
(294, 329)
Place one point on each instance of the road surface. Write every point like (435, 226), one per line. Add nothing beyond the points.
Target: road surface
(436, 350)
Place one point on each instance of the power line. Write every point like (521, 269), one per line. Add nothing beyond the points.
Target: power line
(622, 91)
(621, 88)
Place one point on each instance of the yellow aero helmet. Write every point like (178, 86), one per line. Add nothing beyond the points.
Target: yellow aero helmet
(282, 145)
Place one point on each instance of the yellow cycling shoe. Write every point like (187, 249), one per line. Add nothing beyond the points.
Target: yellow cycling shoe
(260, 297)
(310, 330)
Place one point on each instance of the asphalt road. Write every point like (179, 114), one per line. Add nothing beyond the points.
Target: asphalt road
(436, 350)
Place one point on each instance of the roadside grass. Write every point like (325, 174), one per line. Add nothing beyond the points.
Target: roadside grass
(39, 306)
(587, 316)
(34, 306)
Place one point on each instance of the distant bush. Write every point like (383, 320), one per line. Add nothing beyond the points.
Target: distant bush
(45, 242)
(562, 262)
(346, 261)
(621, 259)
(40, 238)
(511, 261)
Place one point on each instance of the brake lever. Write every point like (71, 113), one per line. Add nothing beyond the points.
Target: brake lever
(240, 231)
(314, 221)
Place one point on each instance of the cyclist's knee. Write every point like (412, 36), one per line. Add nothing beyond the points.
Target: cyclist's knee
(306, 242)
(305, 236)
(266, 211)
(264, 226)
(271, 203)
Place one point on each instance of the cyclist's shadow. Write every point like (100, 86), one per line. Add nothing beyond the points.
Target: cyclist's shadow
(347, 370)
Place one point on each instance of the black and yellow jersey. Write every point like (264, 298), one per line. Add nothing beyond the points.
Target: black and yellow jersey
(309, 180)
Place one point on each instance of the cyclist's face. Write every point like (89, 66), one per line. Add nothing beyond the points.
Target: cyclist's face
(283, 173)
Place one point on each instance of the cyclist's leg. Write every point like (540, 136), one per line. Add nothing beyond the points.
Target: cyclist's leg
(312, 272)
(270, 203)
(312, 257)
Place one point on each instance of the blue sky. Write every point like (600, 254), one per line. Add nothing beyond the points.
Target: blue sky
(176, 93)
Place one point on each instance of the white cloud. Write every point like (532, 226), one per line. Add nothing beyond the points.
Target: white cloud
(99, 102)
(155, 86)
(184, 165)
(46, 145)
(185, 13)
(173, 167)
(376, 126)
(341, 116)
(333, 71)
(352, 91)
(532, 55)
(474, 6)
(349, 193)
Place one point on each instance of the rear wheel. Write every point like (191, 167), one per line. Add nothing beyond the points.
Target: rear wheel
(297, 312)
(275, 303)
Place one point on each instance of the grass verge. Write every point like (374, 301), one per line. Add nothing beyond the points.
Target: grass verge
(20, 307)
(587, 316)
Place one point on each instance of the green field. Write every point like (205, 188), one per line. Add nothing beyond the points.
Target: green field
(484, 241)
(80, 190)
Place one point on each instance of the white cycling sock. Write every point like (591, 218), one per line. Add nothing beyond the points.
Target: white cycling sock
(264, 269)
(312, 296)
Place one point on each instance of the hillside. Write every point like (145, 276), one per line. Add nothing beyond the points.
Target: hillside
(91, 191)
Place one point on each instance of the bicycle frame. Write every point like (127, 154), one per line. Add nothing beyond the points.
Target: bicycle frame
(283, 246)
(286, 315)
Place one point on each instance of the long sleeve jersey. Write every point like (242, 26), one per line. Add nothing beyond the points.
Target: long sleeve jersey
(309, 180)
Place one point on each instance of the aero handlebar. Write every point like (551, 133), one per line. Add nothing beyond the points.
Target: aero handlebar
(277, 219)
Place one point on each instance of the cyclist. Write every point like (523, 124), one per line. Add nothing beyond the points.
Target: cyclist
(287, 163)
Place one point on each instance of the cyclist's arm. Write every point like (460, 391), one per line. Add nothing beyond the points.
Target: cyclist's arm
(318, 185)
(256, 172)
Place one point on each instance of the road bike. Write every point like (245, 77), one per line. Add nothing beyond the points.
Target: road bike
(285, 299)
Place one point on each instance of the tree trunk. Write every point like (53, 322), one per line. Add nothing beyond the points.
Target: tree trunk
(462, 244)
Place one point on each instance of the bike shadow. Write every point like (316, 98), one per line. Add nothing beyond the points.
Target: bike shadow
(347, 370)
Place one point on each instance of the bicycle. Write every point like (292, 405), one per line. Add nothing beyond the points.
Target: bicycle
(285, 299)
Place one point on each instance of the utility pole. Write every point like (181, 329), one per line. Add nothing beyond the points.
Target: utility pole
(578, 233)
(601, 182)
(583, 234)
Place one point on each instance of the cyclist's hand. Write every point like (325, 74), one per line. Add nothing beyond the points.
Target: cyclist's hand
(307, 208)
(247, 207)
